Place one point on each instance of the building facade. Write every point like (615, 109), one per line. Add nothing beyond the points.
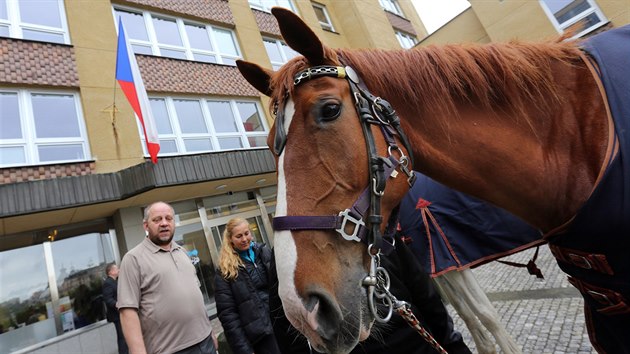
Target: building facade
(530, 20)
(75, 172)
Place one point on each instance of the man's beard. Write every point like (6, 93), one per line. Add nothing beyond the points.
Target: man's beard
(160, 241)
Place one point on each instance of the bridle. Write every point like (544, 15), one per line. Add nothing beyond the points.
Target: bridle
(362, 221)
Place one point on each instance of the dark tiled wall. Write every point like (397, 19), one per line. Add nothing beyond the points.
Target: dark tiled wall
(34, 173)
(34, 63)
(266, 22)
(182, 76)
(213, 10)
(400, 23)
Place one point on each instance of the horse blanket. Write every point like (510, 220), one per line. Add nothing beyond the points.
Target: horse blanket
(595, 249)
(451, 230)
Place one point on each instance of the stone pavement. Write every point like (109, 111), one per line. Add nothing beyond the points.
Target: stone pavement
(542, 315)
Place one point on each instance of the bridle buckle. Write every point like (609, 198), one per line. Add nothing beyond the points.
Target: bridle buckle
(357, 224)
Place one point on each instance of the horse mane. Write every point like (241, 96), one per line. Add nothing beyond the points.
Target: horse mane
(437, 79)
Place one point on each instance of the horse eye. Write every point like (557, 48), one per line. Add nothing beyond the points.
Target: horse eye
(330, 111)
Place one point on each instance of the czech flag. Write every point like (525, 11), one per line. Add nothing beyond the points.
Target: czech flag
(128, 77)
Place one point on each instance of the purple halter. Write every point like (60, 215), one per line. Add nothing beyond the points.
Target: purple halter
(352, 216)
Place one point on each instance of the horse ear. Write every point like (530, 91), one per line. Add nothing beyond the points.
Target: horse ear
(257, 76)
(299, 36)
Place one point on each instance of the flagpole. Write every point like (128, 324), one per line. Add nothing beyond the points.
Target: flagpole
(116, 67)
(114, 109)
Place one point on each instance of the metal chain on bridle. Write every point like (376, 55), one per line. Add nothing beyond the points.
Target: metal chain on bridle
(381, 291)
(365, 214)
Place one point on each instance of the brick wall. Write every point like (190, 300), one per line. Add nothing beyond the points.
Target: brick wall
(182, 76)
(35, 63)
(400, 23)
(213, 10)
(266, 22)
(34, 173)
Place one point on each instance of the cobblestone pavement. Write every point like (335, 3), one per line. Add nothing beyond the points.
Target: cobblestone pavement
(542, 315)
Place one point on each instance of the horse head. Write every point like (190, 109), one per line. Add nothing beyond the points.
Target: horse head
(342, 168)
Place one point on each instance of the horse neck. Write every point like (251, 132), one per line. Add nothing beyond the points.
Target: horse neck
(540, 162)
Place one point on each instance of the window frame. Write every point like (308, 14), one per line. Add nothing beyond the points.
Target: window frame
(29, 140)
(280, 45)
(180, 138)
(328, 26)
(16, 26)
(392, 6)
(400, 35)
(260, 5)
(561, 27)
(188, 51)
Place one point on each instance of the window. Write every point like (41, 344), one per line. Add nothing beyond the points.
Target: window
(41, 127)
(278, 52)
(177, 38)
(31, 302)
(34, 20)
(581, 15)
(406, 40)
(322, 16)
(79, 264)
(391, 6)
(203, 125)
(266, 5)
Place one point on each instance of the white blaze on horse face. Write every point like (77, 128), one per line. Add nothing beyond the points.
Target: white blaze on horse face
(285, 249)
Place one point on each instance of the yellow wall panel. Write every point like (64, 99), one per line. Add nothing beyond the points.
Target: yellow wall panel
(616, 11)
(463, 28)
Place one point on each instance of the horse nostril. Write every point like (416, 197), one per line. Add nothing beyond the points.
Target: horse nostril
(325, 316)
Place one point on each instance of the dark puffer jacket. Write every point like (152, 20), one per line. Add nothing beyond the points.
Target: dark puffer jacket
(243, 303)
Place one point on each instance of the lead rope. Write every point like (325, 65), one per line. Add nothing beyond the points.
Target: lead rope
(377, 283)
(411, 319)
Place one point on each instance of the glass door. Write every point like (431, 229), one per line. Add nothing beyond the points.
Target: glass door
(52, 286)
(189, 234)
(193, 239)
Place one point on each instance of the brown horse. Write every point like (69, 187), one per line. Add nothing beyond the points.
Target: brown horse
(523, 126)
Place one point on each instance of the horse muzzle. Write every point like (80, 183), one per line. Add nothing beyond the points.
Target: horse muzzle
(331, 326)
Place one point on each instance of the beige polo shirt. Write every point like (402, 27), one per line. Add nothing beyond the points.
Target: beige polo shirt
(163, 286)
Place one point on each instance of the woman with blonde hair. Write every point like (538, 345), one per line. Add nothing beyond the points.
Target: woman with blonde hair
(242, 291)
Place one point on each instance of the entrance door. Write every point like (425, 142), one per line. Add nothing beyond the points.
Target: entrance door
(190, 235)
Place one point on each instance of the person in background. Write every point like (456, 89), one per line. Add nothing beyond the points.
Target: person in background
(160, 302)
(242, 291)
(410, 283)
(110, 296)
